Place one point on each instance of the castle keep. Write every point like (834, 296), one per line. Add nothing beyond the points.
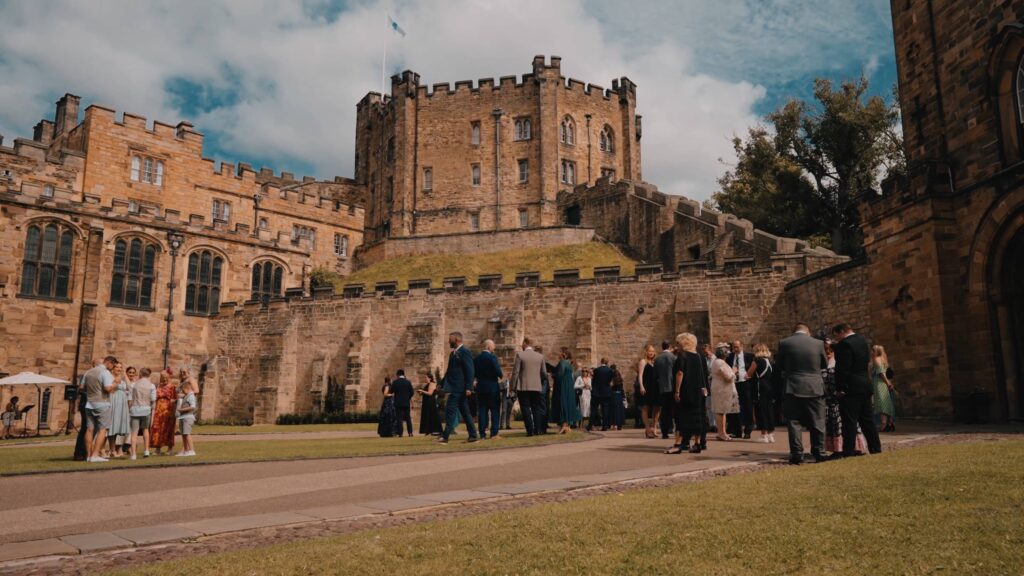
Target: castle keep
(118, 236)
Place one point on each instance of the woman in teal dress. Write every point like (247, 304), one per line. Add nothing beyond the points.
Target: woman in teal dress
(885, 408)
(568, 414)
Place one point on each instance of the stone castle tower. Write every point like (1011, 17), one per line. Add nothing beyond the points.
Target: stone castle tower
(492, 156)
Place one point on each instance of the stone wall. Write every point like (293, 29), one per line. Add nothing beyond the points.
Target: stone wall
(472, 243)
(940, 239)
(677, 232)
(833, 295)
(360, 339)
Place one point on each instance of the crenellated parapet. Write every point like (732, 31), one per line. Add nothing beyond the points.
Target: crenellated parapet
(656, 227)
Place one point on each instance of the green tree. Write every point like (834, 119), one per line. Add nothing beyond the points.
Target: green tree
(804, 173)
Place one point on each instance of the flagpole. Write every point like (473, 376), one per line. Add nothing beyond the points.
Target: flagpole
(384, 59)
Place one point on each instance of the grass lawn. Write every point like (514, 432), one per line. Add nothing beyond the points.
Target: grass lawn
(276, 429)
(947, 509)
(50, 458)
(508, 263)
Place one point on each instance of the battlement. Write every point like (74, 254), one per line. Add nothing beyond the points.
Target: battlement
(524, 281)
(407, 82)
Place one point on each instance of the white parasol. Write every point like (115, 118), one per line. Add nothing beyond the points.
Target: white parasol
(32, 379)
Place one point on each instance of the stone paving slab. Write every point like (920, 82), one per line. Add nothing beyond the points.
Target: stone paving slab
(534, 486)
(338, 512)
(156, 534)
(398, 504)
(454, 496)
(96, 541)
(35, 548)
(236, 523)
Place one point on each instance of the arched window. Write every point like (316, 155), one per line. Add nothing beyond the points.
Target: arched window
(202, 293)
(607, 139)
(568, 131)
(134, 273)
(46, 268)
(266, 280)
(523, 131)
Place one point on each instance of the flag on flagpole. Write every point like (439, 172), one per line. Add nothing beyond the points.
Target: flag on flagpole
(395, 27)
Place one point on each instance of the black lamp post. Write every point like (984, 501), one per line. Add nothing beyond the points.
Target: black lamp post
(175, 240)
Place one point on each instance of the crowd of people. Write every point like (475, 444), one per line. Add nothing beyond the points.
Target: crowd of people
(119, 405)
(837, 388)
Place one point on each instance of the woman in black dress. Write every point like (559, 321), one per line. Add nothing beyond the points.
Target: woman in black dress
(649, 400)
(688, 411)
(388, 418)
(760, 373)
(430, 418)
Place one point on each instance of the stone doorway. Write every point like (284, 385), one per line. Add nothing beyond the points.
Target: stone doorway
(573, 215)
(1010, 316)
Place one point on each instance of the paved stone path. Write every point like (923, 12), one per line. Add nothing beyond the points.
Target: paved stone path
(224, 438)
(97, 510)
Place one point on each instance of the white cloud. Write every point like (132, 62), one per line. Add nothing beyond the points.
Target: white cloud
(300, 76)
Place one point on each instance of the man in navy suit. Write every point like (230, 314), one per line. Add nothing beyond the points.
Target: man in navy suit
(488, 396)
(601, 394)
(458, 381)
(401, 389)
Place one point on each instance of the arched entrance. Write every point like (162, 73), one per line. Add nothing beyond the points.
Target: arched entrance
(1009, 306)
(573, 215)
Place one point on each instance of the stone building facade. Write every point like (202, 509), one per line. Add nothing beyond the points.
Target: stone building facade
(100, 219)
(945, 245)
(490, 156)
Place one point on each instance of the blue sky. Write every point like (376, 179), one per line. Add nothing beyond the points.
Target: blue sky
(275, 83)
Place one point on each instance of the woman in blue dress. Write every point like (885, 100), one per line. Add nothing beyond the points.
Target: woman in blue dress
(568, 414)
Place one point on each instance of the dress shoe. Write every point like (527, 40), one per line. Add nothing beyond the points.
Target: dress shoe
(471, 439)
(796, 460)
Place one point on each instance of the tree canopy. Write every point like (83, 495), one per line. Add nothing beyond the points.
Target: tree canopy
(803, 173)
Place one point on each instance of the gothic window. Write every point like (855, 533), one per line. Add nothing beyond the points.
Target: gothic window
(263, 224)
(46, 268)
(390, 155)
(568, 172)
(523, 131)
(389, 192)
(146, 169)
(266, 280)
(134, 273)
(568, 131)
(340, 244)
(474, 137)
(607, 139)
(202, 292)
(524, 171)
(475, 170)
(428, 179)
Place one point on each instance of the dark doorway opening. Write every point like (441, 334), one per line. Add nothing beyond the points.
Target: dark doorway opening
(573, 215)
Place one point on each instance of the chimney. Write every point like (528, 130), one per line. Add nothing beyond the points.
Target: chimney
(67, 114)
(43, 132)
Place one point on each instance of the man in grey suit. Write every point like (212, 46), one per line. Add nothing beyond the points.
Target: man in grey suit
(527, 374)
(801, 360)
